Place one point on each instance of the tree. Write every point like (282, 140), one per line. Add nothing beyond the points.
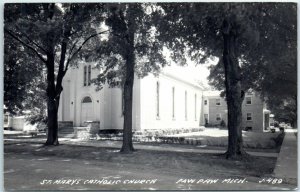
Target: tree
(131, 48)
(24, 88)
(18, 80)
(272, 75)
(230, 31)
(55, 33)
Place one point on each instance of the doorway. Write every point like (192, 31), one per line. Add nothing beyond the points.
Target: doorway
(87, 110)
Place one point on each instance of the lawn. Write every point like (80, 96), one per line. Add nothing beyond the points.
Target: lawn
(219, 137)
(185, 164)
(168, 167)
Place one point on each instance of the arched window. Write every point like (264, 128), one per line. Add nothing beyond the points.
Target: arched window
(87, 99)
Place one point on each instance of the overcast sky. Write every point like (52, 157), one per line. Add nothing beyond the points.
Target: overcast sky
(191, 71)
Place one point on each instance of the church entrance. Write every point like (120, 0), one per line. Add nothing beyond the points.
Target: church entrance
(87, 111)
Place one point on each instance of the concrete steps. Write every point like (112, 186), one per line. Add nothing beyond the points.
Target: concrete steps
(66, 132)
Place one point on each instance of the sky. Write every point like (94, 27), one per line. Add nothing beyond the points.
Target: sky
(191, 71)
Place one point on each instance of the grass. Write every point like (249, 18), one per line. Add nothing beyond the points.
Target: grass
(186, 165)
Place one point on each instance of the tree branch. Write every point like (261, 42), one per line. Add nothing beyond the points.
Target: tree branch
(34, 43)
(77, 51)
(73, 46)
(26, 45)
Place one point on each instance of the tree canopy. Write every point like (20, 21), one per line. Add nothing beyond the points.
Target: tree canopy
(242, 35)
(113, 50)
(131, 48)
(55, 34)
(272, 69)
(19, 81)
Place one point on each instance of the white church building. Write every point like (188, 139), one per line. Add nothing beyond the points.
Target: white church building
(172, 100)
(159, 102)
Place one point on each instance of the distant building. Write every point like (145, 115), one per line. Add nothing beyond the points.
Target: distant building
(255, 116)
(17, 123)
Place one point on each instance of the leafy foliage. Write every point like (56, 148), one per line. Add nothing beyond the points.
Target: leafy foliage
(240, 35)
(112, 52)
(19, 81)
(270, 68)
(54, 33)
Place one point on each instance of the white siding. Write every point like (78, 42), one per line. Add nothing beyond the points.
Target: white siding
(149, 119)
(107, 103)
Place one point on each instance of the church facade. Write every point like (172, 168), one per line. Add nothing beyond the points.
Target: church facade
(159, 102)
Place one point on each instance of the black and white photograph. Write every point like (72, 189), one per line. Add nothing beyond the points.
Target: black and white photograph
(185, 96)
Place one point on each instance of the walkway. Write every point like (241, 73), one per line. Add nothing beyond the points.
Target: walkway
(118, 144)
(286, 166)
(161, 147)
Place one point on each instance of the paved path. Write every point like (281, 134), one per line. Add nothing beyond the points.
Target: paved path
(286, 166)
(161, 147)
(177, 148)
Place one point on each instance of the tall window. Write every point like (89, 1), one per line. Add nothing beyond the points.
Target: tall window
(185, 104)
(87, 75)
(173, 102)
(157, 99)
(84, 76)
(205, 102)
(218, 102)
(195, 107)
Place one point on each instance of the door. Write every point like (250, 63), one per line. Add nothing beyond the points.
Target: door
(87, 111)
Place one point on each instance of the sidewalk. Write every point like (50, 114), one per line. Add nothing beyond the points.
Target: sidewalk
(286, 166)
(118, 145)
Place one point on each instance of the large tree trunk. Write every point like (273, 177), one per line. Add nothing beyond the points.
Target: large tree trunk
(52, 136)
(234, 96)
(128, 92)
(127, 146)
(54, 91)
(52, 105)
